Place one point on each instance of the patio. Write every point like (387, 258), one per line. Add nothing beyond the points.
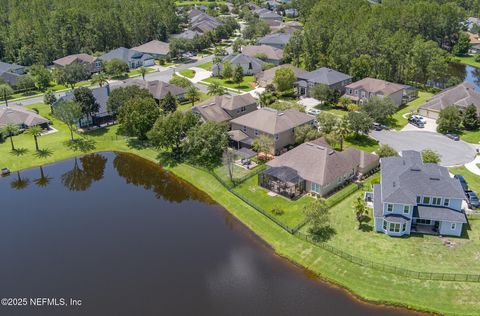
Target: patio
(283, 181)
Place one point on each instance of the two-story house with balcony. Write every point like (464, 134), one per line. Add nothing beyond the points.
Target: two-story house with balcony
(417, 197)
(370, 87)
(329, 77)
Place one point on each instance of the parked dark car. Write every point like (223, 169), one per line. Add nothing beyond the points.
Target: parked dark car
(472, 199)
(463, 182)
(453, 136)
(377, 127)
(416, 122)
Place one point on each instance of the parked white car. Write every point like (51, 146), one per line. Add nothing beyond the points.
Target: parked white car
(314, 112)
(419, 118)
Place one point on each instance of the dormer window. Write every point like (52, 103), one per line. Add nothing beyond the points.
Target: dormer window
(426, 200)
(436, 201)
(389, 207)
(406, 209)
(446, 202)
(419, 199)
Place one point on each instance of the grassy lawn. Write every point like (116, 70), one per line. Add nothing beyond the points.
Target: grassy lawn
(189, 73)
(188, 105)
(472, 137)
(472, 179)
(136, 72)
(245, 85)
(182, 3)
(421, 253)
(362, 142)
(427, 253)
(331, 109)
(206, 66)
(238, 173)
(398, 121)
(293, 214)
(468, 60)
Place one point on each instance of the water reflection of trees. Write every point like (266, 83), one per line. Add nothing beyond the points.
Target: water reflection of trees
(43, 180)
(20, 182)
(81, 178)
(140, 172)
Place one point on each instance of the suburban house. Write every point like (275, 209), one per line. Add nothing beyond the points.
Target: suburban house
(266, 77)
(315, 167)
(158, 89)
(11, 72)
(279, 125)
(188, 34)
(332, 78)
(266, 53)
(94, 65)
(286, 27)
(226, 107)
(369, 87)
(250, 65)
(21, 117)
(267, 15)
(278, 40)
(461, 96)
(133, 58)
(102, 116)
(202, 22)
(414, 197)
(154, 48)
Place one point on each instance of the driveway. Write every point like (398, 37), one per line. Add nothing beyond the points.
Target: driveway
(453, 153)
(431, 126)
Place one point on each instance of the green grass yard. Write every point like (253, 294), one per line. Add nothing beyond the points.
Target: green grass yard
(189, 73)
(472, 179)
(472, 137)
(188, 105)
(468, 60)
(245, 85)
(458, 298)
(398, 121)
(206, 66)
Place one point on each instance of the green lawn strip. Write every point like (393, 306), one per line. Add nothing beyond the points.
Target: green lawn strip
(361, 142)
(206, 66)
(468, 60)
(245, 85)
(188, 105)
(436, 296)
(237, 174)
(259, 196)
(472, 137)
(398, 121)
(331, 109)
(472, 179)
(189, 73)
(417, 253)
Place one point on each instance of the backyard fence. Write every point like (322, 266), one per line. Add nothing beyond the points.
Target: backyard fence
(337, 198)
(419, 275)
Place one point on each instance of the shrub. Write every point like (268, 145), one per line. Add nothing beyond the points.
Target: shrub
(277, 211)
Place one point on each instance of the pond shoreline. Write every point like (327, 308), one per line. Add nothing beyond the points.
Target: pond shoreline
(319, 277)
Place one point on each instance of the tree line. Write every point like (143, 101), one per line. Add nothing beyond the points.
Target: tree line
(38, 32)
(401, 41)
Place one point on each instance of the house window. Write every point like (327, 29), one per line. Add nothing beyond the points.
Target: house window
(404, 227)
(349, 91)
(356, 92)
(276, 136)
(426, 200)
(423, 221)
(446, 202)
(315, 187)
(389, 207)
(436, 201)
(256, 133)
(454, 225)
(243, 109)
(244, 129)
(384, 224)
(395, 227)
(406, 209)
(419, 199)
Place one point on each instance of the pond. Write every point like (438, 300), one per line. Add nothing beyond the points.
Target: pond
(466, 73)
(125, 237)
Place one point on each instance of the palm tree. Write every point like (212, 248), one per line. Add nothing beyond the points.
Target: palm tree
(5, 92)
(100, 79)
(216, 88)
(143, 72)
(265, 99)
(20, 183)
(44, 180)
(192, 94)
(11, 130)
(35, 131)
(342, 130)
(361, 211)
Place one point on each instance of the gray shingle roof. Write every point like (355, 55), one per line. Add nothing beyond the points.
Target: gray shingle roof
(18, 115)
(436, 213)
(154, 47)
(188, 34)
(214, 108)
(275, 39)
(316, 162)
(67, 60)
(158, 89)
(125, 54)
(267, 76)
(271, 121)
(100, 94)
(374, 85)
(6, 67)
(462, 95)
(325, 76)
(269, 51)
(406, 177)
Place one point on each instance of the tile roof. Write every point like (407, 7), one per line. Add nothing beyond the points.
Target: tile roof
(271, 121)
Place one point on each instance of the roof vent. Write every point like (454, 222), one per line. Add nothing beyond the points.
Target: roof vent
(320, 147)
(280, 114)
(414, 169)
(309, 144)
(394, 184)
(434, 178)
